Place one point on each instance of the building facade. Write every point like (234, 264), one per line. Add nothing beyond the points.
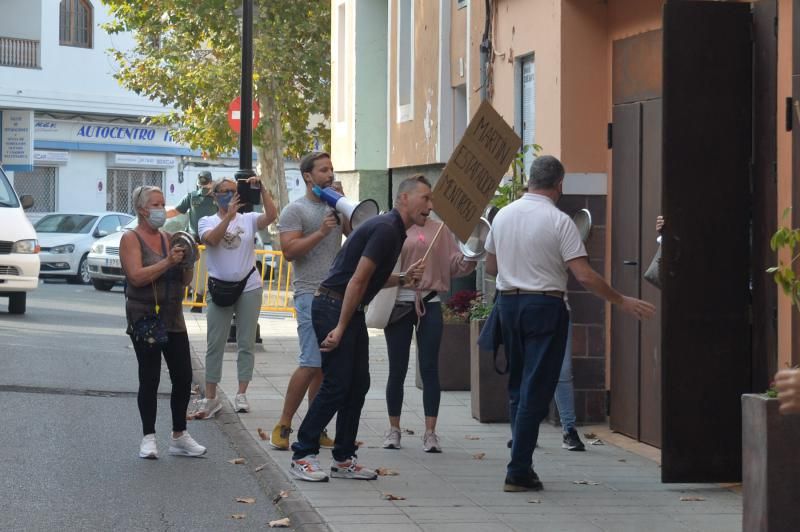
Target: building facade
(90, 147)
(683, 109)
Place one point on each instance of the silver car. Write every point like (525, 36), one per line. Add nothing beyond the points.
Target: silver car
(105, 269)
(66, 238)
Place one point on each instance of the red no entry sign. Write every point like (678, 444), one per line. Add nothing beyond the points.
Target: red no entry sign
(235, 114)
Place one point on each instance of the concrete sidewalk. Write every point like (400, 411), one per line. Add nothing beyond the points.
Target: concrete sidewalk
(604, 489)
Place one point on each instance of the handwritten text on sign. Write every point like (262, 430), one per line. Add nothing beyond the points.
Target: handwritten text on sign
(471, 176)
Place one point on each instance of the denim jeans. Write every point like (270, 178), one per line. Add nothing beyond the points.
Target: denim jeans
(310, 356)
(345, 383)
(565, 392)
(534, 337)
(398, 344)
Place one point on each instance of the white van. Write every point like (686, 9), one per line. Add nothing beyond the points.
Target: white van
(19, 249)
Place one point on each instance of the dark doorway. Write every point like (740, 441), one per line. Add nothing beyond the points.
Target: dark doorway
(707, 139)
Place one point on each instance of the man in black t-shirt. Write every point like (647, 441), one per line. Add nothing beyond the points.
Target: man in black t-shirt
(362, 267)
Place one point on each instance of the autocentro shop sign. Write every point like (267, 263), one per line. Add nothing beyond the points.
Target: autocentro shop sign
(100, 133)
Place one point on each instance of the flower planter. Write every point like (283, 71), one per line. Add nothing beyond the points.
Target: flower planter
(770, 466)
(453, 358)
(488, 389)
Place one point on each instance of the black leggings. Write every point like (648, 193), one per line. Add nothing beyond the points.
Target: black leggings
(179, 363)
(398, 342)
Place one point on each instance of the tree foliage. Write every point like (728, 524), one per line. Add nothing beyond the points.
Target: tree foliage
(188, 57)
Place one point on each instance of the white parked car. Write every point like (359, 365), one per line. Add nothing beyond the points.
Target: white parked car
(66, 239)
(19, 261)
(103, 263)
(104, 266)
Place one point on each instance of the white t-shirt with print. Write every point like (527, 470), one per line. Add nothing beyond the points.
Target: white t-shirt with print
(234, 256)
(533, 240)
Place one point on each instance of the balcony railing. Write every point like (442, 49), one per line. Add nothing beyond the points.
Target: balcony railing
(21, 53)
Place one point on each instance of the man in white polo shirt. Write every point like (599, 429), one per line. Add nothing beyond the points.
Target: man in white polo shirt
(530, 247)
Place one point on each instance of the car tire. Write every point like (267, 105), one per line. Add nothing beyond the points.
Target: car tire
(16, 303)
(103, 286)
(83, 276)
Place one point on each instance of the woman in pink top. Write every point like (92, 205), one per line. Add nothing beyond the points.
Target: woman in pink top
(421, 308)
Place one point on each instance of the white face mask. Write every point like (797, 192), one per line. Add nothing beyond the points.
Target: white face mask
(157, 217)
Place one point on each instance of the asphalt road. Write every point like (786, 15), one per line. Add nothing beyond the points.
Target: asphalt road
(70, 430)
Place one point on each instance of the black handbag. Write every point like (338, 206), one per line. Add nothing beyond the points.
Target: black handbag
(226, 293)
(150, 330)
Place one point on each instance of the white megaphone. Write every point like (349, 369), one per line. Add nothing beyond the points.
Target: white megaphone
(357, 213)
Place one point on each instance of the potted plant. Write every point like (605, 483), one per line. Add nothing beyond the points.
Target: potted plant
(770, 454)
(488, 387)
(454, 350)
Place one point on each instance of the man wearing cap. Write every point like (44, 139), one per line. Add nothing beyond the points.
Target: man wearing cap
(198, 203)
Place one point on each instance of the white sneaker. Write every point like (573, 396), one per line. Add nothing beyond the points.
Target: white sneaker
(352, 469)
(308, 468)
(209, 407)
(184, 445)
(148, 448)
(391, 439)
(240, 403)
(430, 443)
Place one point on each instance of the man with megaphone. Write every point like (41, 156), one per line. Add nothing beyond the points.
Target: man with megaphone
(362, 267)
(311, 236)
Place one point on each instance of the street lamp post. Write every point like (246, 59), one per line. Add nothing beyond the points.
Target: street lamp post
(246, 128)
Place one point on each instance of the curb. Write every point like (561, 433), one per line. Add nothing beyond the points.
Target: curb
(271, 478)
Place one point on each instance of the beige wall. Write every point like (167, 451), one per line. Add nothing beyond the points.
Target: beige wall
(343, 132)
(784, 167)
(458, 45)
(585, 96)
(413, 142)
(520, 29)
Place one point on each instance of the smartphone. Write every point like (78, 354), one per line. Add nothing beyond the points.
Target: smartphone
(248, 193)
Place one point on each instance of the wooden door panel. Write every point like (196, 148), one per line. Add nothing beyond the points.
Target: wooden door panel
(650, 356)
(706, 198)
(765, 192)
(625, 267)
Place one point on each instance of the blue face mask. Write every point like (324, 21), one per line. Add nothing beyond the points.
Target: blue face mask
(224, 199)
(156, 218)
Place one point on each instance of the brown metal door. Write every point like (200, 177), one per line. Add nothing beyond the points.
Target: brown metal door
(650, 353)
(706, 257)
(625, 267)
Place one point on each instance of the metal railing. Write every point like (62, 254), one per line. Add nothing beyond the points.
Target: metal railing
(21, 53)
(276, 277)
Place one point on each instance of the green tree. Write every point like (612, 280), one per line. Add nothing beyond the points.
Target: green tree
(187, 55)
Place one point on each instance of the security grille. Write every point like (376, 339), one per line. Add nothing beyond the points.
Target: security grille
(121, 184)
(41, 184)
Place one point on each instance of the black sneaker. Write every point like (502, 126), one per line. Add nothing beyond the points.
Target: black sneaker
(572, 442)
(528, 483)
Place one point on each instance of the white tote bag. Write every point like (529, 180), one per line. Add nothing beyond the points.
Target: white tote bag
(380, 308)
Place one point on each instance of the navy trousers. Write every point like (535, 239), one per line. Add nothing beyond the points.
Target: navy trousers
(534, 337)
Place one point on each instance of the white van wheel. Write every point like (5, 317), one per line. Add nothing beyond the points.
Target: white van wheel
(16, 303)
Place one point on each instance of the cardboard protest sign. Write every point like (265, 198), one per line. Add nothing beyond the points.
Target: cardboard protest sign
(470, 178)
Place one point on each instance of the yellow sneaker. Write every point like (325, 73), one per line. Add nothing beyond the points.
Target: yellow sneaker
(325, 441)
(279, 438)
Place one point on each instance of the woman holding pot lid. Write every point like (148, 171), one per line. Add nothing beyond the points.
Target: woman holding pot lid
(156, 277)
(234, 286)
